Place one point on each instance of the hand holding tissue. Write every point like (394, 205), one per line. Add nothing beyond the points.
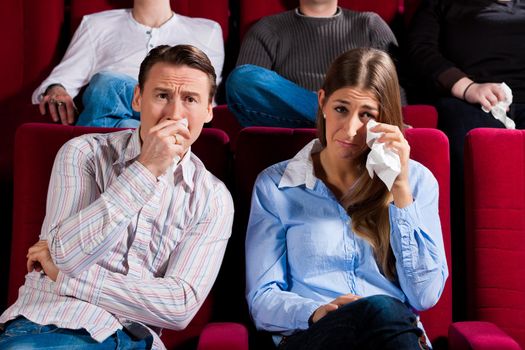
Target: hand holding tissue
(184, 123)
(499, 111)
(381, 160)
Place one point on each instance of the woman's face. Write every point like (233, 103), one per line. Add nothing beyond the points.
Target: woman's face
(346, 113)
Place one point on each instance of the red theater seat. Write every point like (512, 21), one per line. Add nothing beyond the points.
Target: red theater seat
(252, 10)
(260, 147)
(495, 218)
(417, 116)
(36, 146)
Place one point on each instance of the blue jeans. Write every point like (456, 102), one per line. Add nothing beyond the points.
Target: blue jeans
(376, 322)
(107, 102)
(23, 334)
(258, 96)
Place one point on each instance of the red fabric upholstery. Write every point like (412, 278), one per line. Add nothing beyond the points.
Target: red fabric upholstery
(36, 146)
(223, 336)
(418, 116)
(30, 52)
(260, 147)
(495, 217)
(216, 10)
(251, 11)
(479, 336)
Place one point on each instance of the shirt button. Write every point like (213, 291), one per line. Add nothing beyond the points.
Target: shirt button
(148, 32)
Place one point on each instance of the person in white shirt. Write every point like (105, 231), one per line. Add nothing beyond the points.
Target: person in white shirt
(106, 52)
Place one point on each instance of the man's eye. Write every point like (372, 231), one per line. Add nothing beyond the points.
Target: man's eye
(162, 96)
(191, 99)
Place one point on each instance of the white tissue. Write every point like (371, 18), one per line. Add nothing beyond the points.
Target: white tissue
(382, 161)
(176, 159)
(499, 111)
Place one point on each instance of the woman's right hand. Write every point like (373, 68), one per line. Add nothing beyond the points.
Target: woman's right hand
(323, 310)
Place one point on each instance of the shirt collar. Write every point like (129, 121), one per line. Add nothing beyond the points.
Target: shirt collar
(336, 14)
(300, 169)
(132, 151)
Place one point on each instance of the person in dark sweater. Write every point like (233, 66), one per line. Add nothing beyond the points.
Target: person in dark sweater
(284, 57)
(462, 50)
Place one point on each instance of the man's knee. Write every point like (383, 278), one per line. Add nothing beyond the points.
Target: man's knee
(247, 78)
(105, 83)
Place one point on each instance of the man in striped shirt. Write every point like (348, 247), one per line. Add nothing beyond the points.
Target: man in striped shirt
(135, 227)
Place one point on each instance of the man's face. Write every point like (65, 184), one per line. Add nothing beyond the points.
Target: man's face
(174, 92)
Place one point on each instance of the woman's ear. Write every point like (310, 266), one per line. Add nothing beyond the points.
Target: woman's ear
(320, 98)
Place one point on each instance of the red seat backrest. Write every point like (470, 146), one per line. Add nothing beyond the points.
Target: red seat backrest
(495, 218)
(260, 147)
(35, 148)
(217, 10)
(251, 10)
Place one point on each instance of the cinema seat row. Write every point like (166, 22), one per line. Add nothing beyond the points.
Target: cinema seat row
(223, 321)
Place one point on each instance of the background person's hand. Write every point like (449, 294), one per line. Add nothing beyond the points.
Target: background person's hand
(323, 310)
(486, 94)
(60, 105)
(39, 259)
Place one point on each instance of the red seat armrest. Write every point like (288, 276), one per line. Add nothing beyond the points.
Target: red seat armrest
(223, 336)
(476, 335)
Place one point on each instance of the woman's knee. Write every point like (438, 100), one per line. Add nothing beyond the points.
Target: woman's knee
(385, 309)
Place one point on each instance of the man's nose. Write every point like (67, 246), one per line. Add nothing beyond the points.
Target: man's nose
(174, 110)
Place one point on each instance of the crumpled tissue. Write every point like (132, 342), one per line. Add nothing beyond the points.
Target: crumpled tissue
(382, 161)
(176, 159)
(499, 111)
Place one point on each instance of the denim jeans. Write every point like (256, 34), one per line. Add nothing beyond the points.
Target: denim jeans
(258, 96)
(107, 102)
(377, 322)
(25, 335)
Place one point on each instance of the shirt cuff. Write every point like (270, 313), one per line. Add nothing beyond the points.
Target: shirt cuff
(449, 77)
(87, 286)
(404, 221)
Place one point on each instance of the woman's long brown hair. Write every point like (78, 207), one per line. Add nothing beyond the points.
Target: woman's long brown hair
(367, 201)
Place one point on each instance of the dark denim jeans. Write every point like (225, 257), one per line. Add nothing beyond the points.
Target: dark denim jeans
(377, 322)
(24, 334)
(107, 102)
(259, 96)
(456, 119)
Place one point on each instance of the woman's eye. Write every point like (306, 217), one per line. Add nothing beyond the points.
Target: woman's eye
(366, 115)
(340, 109)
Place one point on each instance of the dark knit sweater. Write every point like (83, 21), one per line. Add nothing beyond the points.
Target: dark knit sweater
(301, 48)
(481, 39)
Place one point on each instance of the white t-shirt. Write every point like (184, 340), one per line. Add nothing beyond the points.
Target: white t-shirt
(114, 41)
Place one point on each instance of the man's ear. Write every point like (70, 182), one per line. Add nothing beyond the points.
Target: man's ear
(210, 113)
(137, 99)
